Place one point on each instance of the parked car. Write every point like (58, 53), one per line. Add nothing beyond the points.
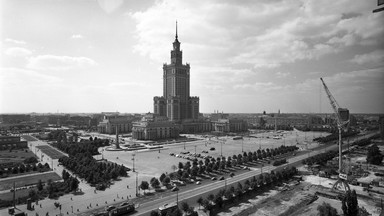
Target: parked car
(213, 178)
(110, 208)
(221, 178)
(198, 182)
(124, 204)
(175, 189)
(212, 149)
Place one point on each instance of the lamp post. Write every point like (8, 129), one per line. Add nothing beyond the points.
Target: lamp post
(221, 148)
(184, 145)
(137, 181)
(133, 159)
(242, 145)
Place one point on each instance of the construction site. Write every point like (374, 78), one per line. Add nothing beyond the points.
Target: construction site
(328, 177)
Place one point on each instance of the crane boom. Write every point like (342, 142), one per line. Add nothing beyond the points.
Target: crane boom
(335, 106)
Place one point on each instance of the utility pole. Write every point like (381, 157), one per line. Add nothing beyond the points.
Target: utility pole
(221, 148)
(133, 159)
(177, 198)
(137, 182)
(14, 195)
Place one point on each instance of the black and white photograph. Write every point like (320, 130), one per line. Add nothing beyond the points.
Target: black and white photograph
(187, 108)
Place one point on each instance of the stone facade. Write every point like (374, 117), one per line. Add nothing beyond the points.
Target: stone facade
(109, 123)
(176, 102)
(154, 127)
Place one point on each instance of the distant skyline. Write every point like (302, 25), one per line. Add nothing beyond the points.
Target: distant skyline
(90, 56)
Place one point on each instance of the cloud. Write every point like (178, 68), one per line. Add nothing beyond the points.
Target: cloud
(9, 40)
(260, 87)
(51, 62)
(77, 36)
(375, 57)
(110, 6)
(18, 52)
(19, 77)
(126, 84)
(264, 34)
(280, 74)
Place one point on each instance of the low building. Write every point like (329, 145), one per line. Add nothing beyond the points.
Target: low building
(229, 126)
(154, 127)
(109, 124)
(191, 126)
(12, 142)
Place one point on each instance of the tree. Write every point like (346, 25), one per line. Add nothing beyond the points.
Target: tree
(155, 182)
(32, 194)
(166, 181)
(74, 183)
(40, 185)
(349, 204)
(184, 207)
(154, 213)
(374, 155)
(162, 177)
(144, 185)
(200, 201)
(211, 197)
(181, 165)
(326, 209)
(219, 200)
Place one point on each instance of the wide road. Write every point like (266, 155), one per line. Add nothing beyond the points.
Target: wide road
(193, 194)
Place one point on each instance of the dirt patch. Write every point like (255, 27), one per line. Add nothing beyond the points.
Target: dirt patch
(273, 202)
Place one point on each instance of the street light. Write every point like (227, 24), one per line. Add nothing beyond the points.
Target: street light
(137, 180)
(242, 145)
(221, 148)
(133, 159)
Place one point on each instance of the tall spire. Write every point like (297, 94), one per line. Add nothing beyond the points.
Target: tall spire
(176, 29)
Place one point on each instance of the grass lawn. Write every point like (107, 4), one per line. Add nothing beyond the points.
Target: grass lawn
(15, 155)
(50, 151)
(7, 184)
(29, 138)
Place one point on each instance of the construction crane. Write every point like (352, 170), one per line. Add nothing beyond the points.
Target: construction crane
(342, 118)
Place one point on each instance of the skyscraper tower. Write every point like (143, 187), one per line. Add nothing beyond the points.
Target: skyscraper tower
(176, 102)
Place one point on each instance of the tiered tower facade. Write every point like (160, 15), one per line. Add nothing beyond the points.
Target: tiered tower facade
(176, 102)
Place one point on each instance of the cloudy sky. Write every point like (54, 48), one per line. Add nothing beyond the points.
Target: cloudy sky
(246, 56)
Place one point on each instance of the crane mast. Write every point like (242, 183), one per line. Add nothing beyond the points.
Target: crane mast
(342, 116)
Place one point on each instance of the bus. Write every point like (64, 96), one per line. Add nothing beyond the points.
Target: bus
(166, 208)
